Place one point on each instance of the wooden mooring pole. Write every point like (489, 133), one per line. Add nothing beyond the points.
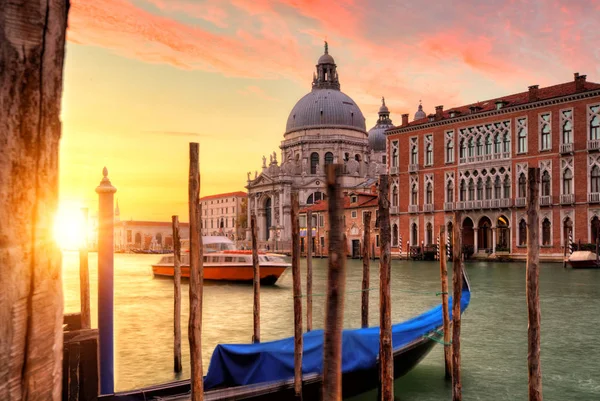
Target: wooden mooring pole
(176, 295)
(336, 281)
(196, 276)
(534, 366)
(445, 311)
(255, 281)
(386, 358)
(309, 251)
(84, 276)
(297, 290)
(456, 297)
(366, 271)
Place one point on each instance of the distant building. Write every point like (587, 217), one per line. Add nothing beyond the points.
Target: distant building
(224, 214)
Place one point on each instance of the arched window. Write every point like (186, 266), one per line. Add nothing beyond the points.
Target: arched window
(138, 239)
(595, 124)
(394, 157)
(503, 233)
(522, 186)
(522, 140)
(522, 233)
(395, 235)
(314, 162)
(314, 197)
(328, 158)
(546, 232)
(429, 194)
(497, 188)
(479, 147)
(471, 190)
(488, 188)
(429, 230)
(595, 179)
(471, 148)
(463, 191)
(414, 156)
(506, 186)
(414, 234)
(395, 196)
(546, 183)
(594, 228)
(428, 155)
(357, 157)
(506, 143)
(450, 151)
(567, 129)
(497, 144)
(463, 149)
(480, 189)
(414, 195)
(488, 144)
(450, 192)
(567, 181)
(545, 134)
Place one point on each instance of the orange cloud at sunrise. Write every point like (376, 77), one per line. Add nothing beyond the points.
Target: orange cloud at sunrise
(143, 78)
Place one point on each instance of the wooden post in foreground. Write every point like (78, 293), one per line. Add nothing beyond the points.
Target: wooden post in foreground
(456, 297)
(309, 251)
(84, 276)
(176, 295)
(255, 281)
(297, 298)
(336, 281)
(196, 276)
(386, 358)
(445, 311)
(534, 366)
(366, 271)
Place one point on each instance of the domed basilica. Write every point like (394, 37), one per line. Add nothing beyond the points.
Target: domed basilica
(325, 126)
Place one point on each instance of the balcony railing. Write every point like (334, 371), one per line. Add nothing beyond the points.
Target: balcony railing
(477, 204)
(594, 197)
(566, 148)
(567, 199)
(394, 210)
(413, 208)
(394, 170)
(428, 208)
(448, 206)
(506, 202)
(545, 200)
(486, 204)
(460, 205)
(593, 144)
(413, 168)
(520, 202)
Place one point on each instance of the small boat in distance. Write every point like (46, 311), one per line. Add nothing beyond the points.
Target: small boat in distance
(583, 260)
(222, 262)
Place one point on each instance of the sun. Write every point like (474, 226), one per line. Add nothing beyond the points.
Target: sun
(69, 227)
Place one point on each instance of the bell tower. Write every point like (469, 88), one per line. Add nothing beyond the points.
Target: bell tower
(326, 76)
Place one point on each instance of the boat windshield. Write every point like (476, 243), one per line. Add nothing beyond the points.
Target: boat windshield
(211, 244)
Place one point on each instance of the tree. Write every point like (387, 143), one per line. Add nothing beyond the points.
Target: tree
(32, 49)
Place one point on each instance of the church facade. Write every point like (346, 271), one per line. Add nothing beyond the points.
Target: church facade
(325, 126)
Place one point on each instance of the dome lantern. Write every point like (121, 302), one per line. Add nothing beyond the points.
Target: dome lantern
(326, 77)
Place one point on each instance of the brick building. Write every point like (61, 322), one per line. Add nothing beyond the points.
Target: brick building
(355, 206)
(475, 158)
(224, 214)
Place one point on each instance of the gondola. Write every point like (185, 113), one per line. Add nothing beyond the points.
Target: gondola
(264, 372)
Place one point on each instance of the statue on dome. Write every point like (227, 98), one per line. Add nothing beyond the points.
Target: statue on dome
(275, 157)
(255, 174)
(249, 175)
(264, 162)
(270, 159)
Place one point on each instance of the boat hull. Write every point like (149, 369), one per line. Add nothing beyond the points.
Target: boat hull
(268, 274)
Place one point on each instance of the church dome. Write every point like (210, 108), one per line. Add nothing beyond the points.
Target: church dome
(325, 106)
(420, 114)
(377, 140)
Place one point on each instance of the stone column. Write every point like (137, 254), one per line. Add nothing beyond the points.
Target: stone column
(493, 239)
(475, 240)
(280, 223)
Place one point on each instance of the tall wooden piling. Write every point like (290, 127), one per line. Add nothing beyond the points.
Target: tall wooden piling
(366, 271)
(106, 231)
(445, 311)
(534, 366)
(386, 358)
(176, 295)
(336, 281)
(84, 276)
(456, 297)
(297, 290)
(196, 276)
(255, 282)
(309, 252)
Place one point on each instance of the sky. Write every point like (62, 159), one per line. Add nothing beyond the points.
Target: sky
(143, 78)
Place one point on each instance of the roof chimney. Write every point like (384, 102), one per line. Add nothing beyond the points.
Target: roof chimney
(579, 82)
(404, 119)
(439, 112)
(533, 93)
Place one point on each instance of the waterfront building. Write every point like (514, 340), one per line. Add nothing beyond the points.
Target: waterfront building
(475, 158)
(325, 126)
(224, 214)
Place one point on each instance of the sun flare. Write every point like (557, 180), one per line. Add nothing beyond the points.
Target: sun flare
(69, 227)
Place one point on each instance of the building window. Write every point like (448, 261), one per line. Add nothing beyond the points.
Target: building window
(322, 243)
(567, 182)
(522, 135)
(479, 189)
(429, 194)
(522, 233)
(353, 199)
(463, 149)
(545, 132)
(567, 126)
(429, 230)
(595, 180)
(488, 188)
(450, 147)
(488, 145)
(414, 234)
(377, 241)
(546, 183)
(353, 214)
(463, 191)
(506, 143)
(546, 232)
(497, 144)
(395, 154)
(321, 220)
(522, 186)
(328, 158)
(479, 147)
(595, 122)
(314, 162)
(450, 192)
(395, 196)
(471, 190)
(497, 188)
(414, 195)
(414, 154)
(428, 155)
(395, 235)
(506, 187)
(471, 148)
(314, 198)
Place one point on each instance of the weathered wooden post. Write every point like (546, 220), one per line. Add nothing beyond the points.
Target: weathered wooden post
(106, 230)
(84, 276)
(255, 281)
(386, 359)
(32, 49)
(534, 366)
(445, 311)
(196, 276)
(297, 297)
(336, 281)
(176, 295)
(456, 297)
(309, 251)
(366, 271)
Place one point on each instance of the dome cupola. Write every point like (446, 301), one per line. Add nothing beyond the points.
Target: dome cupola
(377, 141)
(420, 114)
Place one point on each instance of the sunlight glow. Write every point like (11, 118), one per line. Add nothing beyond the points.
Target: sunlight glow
(69, 230)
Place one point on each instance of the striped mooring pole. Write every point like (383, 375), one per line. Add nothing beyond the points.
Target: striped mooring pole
(448, 245)
(437, 251)
(570, 242)
(400, 245)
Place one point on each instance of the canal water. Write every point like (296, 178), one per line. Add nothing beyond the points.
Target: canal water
(494, 329)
